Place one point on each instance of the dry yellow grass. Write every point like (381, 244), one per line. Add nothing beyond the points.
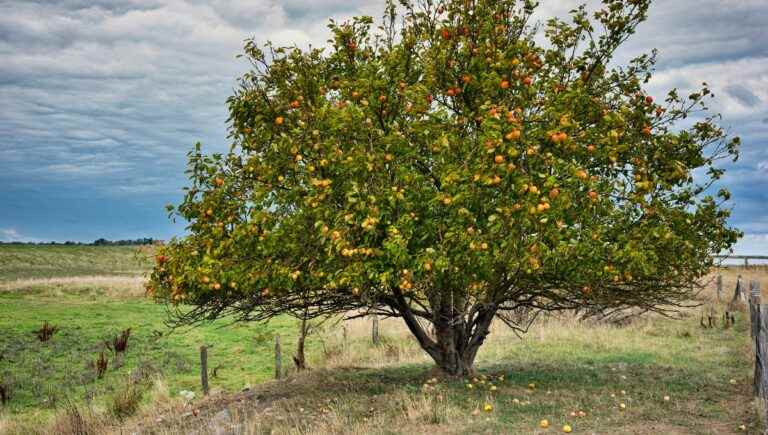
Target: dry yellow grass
(118, 287)
(730, 275)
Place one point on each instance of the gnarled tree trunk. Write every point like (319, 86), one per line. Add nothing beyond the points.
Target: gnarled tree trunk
(457, 339)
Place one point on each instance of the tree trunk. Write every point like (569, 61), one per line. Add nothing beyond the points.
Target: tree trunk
(300, 359)
(459, 340)
(458, 335)
(453, 355)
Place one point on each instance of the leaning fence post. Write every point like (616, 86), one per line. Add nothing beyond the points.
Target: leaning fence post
(375, 330)
(759, 326)
(738, 293)
(204, 369)
(278, 357)
(719, 284)
(761, 360)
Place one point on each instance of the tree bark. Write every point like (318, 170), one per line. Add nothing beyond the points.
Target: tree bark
(300, 359)
(457, 338)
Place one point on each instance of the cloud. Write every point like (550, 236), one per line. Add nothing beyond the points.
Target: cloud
(12, 235)
(743, 95)
(101, 99)
(752, 244)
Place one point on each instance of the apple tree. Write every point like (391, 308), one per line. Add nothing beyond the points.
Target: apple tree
(455, 165)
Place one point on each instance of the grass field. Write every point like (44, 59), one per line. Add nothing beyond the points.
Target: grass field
(94, 308)
(354, 386)
(29, 261)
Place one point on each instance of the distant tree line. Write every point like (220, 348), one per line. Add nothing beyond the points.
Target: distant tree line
(97, 242)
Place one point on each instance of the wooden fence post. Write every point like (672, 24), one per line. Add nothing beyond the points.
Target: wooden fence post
(738, 293)
(375, 330)
(278, 358)
(761, 361)
(719, 283)
(204, 369)
(345, 337)
(759, 331)
(754, 314)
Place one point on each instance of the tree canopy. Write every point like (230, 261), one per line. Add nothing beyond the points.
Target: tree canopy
(458, 163)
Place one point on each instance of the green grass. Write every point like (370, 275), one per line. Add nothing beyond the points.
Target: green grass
(45, 374)
(361, 388)
(28, 261)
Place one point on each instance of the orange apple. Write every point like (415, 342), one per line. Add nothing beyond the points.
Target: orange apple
(499, 159)
(295, 104)
(466, 78)
(582, 174)
(554, 193)
(647, 130)
(527, 80)
(513, 135)
(592, 195)
(504, 84)
(279, 120)
(446, 34)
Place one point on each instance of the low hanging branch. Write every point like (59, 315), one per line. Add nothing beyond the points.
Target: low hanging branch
(449, 170)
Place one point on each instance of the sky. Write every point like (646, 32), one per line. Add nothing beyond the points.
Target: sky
(101, 100)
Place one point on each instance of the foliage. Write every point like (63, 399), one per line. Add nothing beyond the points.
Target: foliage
(100, 365)
(46, 331)
(451, 169)
(119, 344)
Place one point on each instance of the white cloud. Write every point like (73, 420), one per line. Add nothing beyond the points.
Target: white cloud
(12, 235)
(752, 244)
